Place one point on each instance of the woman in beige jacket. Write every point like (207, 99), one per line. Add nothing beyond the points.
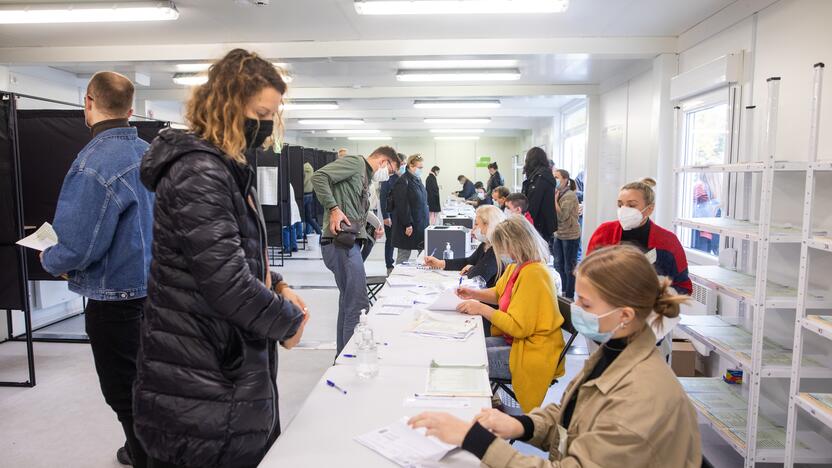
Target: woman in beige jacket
(625, 408)
(568, 236)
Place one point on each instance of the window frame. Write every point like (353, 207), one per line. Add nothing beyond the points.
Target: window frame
(565, 133)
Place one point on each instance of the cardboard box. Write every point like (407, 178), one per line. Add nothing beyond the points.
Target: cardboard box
(683, 362)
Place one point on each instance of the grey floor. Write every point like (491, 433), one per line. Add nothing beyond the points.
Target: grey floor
(64, 422)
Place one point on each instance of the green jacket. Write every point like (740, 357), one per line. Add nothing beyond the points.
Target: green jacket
(344, 183)
(307, 177)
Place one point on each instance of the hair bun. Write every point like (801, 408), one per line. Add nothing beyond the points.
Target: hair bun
(667, 301)
(649, 181)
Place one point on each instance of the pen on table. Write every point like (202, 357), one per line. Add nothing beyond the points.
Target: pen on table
(336, 387)
(460, 281)
(349, 355)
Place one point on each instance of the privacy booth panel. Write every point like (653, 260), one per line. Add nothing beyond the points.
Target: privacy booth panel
(11, 287)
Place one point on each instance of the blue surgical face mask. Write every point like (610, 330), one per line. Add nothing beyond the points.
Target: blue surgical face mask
(557, 183)
(589, 324)
(418, 172)
(401, 170)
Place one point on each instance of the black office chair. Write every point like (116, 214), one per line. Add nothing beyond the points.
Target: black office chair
(565, 307)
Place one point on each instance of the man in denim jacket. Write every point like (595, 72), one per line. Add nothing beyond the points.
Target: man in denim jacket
(104, 222)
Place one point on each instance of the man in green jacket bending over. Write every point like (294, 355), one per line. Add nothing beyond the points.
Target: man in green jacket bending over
(342, 187)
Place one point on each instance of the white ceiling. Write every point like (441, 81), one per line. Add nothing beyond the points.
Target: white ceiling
(212, 21)
(330, 54)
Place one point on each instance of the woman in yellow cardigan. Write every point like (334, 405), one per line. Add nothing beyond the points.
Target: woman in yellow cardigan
(526, 340)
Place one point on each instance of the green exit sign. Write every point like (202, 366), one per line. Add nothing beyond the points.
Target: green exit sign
(484, 161)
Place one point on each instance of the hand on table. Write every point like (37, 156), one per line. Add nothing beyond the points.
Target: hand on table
(408, 231)
(465, 269)
(434, 262)
(335, 218)
(443, 426)
(475, 308)
(499, 423)
(465, 293)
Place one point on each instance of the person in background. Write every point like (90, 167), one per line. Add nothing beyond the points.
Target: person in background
(434, 202)
(482, 262)
(624, 408)
(636, 202)
(104, 222)
(387, 211)
(525, 337)
(517, 203)
(206, 392)
(294, 231)
(468, 192)
(579, 182)
(342, 187)
(499, 196)
(341, 153)
(568, 235)
(481, 198)
(539, 188)
(495, 180)
(309, 215)
(706, 205)
(411, 208)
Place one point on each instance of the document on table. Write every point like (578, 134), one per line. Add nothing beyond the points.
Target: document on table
(404, 445)
(446, 300)
(397, 301)
(267, 185)
(398, 281)
(41, 239)
(457, 380)
(455, 329)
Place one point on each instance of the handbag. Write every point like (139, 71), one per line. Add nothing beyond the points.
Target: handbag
(346, 237)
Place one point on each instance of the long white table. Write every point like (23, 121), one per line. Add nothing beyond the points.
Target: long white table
(323, 432)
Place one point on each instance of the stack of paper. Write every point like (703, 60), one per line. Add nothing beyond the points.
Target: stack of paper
(41, 239)
(457, 381)
(405, 446)
(430, 326)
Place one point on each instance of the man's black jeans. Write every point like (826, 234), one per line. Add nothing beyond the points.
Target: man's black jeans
(114, 328)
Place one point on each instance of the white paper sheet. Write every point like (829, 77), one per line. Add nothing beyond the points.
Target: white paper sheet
(457, 381)
(267, 185)
(41, 239)
(446, 300)
(403, 445)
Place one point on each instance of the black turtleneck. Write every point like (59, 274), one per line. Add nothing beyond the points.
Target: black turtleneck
(107, 125)
(638, 236)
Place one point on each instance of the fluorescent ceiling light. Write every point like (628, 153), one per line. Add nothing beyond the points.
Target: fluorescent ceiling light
(458, 121)
(469, 104)
(87, 12)
(190, 79)
(456, 138)
(474, 74)
(311, 105)
(331, 121)
(455, 7)
(446, 64)
(457, 130)
(352, 132)
(370, 138)
(201, 67)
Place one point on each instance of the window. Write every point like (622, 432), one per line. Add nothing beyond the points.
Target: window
(573, 139)
(705, 125)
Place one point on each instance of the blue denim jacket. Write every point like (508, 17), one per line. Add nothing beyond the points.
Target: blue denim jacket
(104, 220)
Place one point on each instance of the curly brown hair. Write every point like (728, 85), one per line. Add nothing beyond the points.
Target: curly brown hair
(216, 109)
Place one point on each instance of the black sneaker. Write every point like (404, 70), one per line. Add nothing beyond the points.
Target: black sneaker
(123, 457)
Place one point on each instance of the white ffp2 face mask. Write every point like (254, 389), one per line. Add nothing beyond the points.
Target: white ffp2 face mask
(381, 175)
(630, 218)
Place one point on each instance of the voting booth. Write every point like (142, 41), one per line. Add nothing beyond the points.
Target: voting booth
(437, 238)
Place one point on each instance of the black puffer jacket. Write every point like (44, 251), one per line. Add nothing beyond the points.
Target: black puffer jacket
(205, 395)
(539, 188)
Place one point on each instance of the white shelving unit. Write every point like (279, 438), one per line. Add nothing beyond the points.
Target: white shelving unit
(756, 438)
(816, 405)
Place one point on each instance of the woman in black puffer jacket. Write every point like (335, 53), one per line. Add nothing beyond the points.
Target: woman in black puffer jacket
(206, 395)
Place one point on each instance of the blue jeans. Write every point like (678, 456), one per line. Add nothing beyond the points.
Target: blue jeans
(291, 234)
(566, 259)
(309, 214)
(348, 268)
(498, 351)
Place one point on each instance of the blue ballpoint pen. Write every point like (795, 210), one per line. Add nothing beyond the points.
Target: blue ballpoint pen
(336, 387)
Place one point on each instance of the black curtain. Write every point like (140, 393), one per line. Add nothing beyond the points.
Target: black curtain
(11, 278)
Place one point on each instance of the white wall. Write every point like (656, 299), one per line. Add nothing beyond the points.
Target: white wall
(454, 158)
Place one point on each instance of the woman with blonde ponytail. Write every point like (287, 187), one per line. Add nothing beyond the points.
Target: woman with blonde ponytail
(625, 407)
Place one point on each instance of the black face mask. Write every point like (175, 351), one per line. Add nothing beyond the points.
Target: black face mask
(257, 134)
